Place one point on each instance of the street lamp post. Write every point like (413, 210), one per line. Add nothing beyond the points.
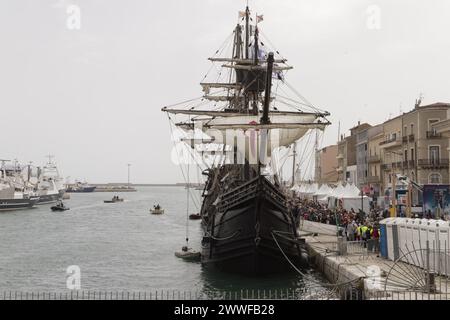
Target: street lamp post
(394, 186)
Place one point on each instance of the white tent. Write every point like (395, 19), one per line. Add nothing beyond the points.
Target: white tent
(324, 190)
(348, 197)
(350, 191)
(323, 193)
(307, 190)
(351, 199)
(338, 191)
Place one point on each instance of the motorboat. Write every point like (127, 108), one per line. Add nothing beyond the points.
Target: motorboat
(195, 216)
(114, 200)
(157, 210)
(188, 254)
(59, 207)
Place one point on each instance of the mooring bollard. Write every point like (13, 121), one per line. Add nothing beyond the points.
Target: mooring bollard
(342, 246)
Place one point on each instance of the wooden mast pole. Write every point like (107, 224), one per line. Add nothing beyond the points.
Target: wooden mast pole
(265, 117)
(247, 31)
(293, 163)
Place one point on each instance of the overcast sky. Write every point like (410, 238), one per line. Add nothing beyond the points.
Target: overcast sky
(92, 96)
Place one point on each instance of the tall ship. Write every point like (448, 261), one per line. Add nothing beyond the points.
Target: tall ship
(233, 132)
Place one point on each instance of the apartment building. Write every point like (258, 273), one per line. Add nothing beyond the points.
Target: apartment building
(374, 180)
(326, 165)
(362, 141)
(411, 146)
(443, 128)
(347, 155)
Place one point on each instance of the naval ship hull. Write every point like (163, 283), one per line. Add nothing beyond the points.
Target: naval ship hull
(18, 204)
(250, 230)
(81, 190)
(50, 198)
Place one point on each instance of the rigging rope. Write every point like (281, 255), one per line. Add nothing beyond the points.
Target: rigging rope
(187, 206)
(304, 275)
(175, 147)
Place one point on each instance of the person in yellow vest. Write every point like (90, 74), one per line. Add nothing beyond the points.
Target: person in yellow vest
(392, 211)
(358, 233)
(364, 235)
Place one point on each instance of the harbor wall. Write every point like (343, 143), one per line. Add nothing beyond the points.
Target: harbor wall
(320, 228)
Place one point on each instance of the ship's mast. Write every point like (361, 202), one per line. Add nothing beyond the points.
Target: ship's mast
(247, 31)
(294, 154)
(265, 118)
(256, 45)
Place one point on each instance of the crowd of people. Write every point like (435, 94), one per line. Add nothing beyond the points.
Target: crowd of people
(355, 226)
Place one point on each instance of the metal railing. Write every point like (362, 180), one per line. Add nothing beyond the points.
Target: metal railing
(433, 135)
(389, 141)
(373, 159)
(168, 295)
(292, 294)
(434, 163)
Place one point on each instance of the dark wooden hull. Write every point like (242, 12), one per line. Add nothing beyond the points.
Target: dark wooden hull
(239, 236)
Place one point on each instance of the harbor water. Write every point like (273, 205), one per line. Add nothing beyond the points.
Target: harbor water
(118, 247)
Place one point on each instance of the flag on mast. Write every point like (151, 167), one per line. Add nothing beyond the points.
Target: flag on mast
(259, 18)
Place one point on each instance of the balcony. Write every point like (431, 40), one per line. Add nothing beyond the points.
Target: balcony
(340, 170)
(411, 138)
(373, 179)
(373, 159)
(434, 163)
(433, 135)
(391, 143)
(398, 165)
(409, 164)
(340, 156)
(386, 167)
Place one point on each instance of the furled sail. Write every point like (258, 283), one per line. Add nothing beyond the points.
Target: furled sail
(244, 131)
(256, 68)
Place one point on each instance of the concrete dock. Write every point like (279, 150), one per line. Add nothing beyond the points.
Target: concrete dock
(349, 264)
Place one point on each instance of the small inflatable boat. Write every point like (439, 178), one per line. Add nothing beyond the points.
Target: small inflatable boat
(157, 211)
(59, 208)
(188, 254)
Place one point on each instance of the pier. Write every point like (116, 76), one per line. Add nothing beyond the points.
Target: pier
(364, 275)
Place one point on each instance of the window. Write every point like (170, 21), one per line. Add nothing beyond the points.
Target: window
(406, 155)
(435, 178)
(412, 128)
(405, 131)
(412, 154)
(430, 124)
(434, 154)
